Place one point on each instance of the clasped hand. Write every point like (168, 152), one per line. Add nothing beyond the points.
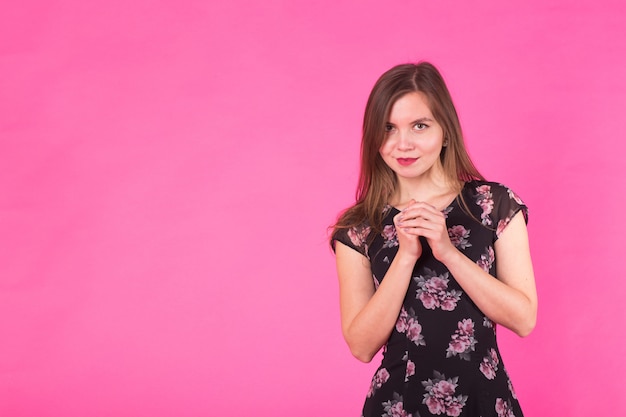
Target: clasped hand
(422, 219)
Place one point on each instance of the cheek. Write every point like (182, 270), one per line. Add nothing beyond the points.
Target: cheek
(385, 148)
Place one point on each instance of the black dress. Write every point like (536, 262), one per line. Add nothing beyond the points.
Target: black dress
(442, 357)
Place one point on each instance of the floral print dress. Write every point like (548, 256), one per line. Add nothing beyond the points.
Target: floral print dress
(442, 357)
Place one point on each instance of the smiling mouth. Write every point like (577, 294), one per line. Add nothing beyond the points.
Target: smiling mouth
(406, 161)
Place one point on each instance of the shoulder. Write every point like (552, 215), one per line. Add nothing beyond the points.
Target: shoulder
(497, 203)
(490, 190)
(355, 237)
(483, 185)
(361, 235)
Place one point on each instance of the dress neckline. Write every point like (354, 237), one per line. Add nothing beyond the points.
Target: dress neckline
(454, 200)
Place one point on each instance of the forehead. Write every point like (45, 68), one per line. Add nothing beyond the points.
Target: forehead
(412, 105)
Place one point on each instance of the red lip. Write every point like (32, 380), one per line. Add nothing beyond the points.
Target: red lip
(406, 161)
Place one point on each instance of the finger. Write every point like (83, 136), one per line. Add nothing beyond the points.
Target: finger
(427, 208)
(420, 224)
(421, 208)
(414, 218)
(423, 224)
(398, 219)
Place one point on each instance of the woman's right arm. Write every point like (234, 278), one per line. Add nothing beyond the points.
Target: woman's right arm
(368, 315)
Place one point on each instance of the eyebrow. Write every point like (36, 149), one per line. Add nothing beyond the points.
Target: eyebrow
(420, 120)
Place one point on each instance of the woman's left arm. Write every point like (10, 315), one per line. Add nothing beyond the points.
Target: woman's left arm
(511, 299)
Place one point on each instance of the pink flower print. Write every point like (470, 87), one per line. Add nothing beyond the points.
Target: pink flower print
(440, 395)
(389, 232)
(503, 408)
(407, 323)
(428, 299)
(449, 300)
(395, 407)
(435, 405)
(378, 380)
(485, 201)
(487, 370)
(397, 410)
(489, 365)
(515, 197)
(454, 409)
(502, 224)
(437, 284)
(459, 344)
(414, 332)
(459, 236)
(355, 237)
(487, 259)
(402, 324)
(376, 281)
(444, 388)
(433, 291)
(487, 323)
(466, 326)
(513, 394)
(390, 236)
(462, 341)
(358, 236)
(410, 369)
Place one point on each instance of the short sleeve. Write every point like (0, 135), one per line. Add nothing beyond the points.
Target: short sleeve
(507, 205)
(353, 237)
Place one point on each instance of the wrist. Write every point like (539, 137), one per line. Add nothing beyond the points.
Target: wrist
(406, 259)
(450, 257)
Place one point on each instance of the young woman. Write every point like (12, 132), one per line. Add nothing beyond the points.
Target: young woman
(430, 258)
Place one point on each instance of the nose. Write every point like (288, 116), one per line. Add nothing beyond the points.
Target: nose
(405, 141)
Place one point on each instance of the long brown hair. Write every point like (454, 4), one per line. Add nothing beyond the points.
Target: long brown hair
(377, 182)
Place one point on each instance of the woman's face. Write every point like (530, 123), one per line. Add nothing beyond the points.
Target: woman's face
(414, 138)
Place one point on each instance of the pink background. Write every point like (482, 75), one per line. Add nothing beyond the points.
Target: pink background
(168, 171)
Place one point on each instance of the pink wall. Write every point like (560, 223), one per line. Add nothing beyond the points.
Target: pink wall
(168, 170)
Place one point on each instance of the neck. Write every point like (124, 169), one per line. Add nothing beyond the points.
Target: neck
(435, 191)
